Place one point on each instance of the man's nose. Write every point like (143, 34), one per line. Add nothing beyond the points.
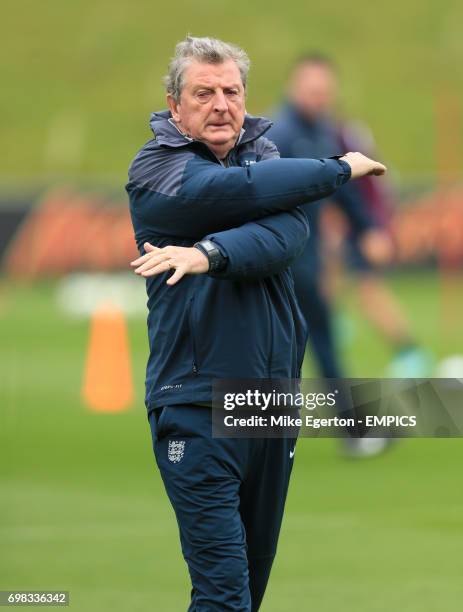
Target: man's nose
(220, 102)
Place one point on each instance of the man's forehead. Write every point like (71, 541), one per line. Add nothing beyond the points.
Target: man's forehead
(225, 74)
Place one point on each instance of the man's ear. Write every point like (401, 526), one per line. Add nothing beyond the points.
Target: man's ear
(173, 107)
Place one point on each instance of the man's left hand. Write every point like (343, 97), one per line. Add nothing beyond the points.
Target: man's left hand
(184, 260)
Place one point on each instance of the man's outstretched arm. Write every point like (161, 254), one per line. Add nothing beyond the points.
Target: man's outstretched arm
(210, 198)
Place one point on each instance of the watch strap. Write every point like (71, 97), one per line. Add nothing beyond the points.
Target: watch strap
(217, 261)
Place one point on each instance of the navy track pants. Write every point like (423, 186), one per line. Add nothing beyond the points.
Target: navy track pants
(228, 496)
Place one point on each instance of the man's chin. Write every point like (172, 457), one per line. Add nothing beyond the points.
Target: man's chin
(220, 137)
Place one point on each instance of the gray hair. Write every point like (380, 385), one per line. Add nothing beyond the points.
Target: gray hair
(207, 50)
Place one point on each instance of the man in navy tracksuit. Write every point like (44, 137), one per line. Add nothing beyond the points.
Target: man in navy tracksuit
(216, 219)
(299, 133)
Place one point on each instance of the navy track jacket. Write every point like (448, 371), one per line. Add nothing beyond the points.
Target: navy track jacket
(241, 322)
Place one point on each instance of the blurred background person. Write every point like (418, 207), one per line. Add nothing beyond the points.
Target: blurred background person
(307, 125)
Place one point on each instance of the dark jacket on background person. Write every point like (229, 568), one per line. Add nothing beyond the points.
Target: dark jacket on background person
(298, 136)
(241, 322)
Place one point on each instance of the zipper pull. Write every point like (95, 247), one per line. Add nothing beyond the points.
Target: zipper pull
(245, 160)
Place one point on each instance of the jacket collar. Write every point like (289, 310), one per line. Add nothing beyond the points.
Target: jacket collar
(167, 134)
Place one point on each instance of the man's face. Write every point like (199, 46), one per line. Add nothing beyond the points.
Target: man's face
(212, 105)
(313, 89)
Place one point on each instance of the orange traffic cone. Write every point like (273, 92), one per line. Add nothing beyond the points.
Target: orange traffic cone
(107, 385)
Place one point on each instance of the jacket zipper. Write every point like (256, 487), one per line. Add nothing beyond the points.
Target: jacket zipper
(194, 366)
(271, 348)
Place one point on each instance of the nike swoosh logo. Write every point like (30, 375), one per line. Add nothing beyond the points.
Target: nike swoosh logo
(291, 453)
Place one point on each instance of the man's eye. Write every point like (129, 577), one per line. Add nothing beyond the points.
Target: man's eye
(203, 95)
(232, 92)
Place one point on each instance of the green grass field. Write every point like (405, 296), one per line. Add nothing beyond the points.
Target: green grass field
(83, 508)
(80, 79)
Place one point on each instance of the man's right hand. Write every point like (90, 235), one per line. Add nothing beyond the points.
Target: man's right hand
(362, 165)
(183, 260)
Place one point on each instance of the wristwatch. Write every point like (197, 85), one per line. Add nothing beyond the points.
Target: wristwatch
(217, 261)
